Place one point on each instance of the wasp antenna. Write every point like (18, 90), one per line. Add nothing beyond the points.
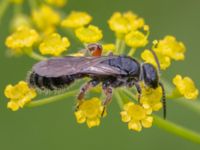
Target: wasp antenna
(156, 59)
(163, 100)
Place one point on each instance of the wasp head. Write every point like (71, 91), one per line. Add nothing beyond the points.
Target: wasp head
(150, 75)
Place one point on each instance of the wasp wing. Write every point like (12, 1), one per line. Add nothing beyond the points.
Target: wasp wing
(70, 65)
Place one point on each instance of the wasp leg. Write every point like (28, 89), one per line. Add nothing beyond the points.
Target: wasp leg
(108, 92)
(139, 90)
(84, 89)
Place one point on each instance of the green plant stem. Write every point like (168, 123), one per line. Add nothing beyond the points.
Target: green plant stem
(131, 52)
(177, 129)
(3, 7)
(36, 56)
(52, 99)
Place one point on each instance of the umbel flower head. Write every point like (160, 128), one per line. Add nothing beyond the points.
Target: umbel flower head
(186, 87)
(124, 23)
(151, 98)
(19, 95)
(90, 111)
(45, 18)
(76, 19)
(23, 37)
(90, 34)
(166, 50)
(54, 44)
(136, 116)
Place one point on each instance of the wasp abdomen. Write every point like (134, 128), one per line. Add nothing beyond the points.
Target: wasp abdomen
(49, 83)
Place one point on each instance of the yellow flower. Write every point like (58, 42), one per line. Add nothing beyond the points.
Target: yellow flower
(45, 17)
(123, 23)
(186, 87)
(90, 111)
(76, 19)
(136, 39)
(23, 37)
(90, 34)
(54, 44)
(164, 61)
(19, 95)
(107, 48)
(151, 98)
(136, 116)
(58, 3)
(170, 47)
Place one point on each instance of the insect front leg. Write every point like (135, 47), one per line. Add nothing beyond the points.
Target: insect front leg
(92, 83)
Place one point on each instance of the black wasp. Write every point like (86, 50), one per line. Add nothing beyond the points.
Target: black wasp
(112, 71)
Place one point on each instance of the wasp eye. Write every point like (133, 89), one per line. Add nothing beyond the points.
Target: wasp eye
(95, 49)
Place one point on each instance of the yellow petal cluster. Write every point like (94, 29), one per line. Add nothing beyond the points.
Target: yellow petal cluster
(76, 19)
(90, 34)
(170, 47)
(23, 37)
(148, 57)
(186, 87)
(136, 116)
(124, 23)
(45, 18)
(54, 45)
(90, 111)
(136, 39)
(19, 95)
(151, 98)
(58, 3)
(166, 50)
(107, 48)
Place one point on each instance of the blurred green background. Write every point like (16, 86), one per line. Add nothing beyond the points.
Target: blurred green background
(54, 126)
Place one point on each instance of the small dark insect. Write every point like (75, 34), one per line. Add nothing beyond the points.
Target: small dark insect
(112, 71)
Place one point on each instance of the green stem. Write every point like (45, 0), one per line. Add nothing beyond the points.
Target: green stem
(52, 99)
(132, 52)
(177, 129)
(36, 56)
(3, 7)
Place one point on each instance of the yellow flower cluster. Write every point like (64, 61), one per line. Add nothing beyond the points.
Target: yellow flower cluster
(45, 18)
(136, 116)
(127, 26)
(90, 111)
(166, 50)
(19, 95)
(124, 23)
(76, 19)
(186, 87)
(107, 48)
(90, 34)
(23, 37)
(151, 98)
(54, 45)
